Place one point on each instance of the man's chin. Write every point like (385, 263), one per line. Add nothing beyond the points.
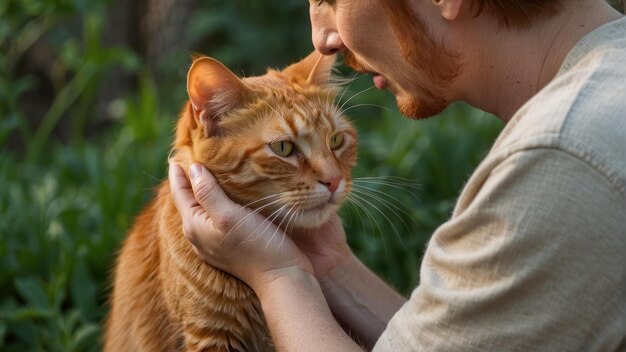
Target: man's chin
(416, 109)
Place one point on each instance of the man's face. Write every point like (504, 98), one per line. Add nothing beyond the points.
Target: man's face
(400, 54)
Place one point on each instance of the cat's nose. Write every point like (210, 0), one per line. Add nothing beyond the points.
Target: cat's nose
(332, 183)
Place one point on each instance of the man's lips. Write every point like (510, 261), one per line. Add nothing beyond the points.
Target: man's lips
(379, 81)
(350, 60)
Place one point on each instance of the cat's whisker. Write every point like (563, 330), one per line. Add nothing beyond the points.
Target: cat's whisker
(356, 203)
(352, 198)
(295, 209)
(286, 230)
(389, 177)
(240, 222)
(272, 217)
(341, 82)
(355, 211)
(382, 197)
(354, 96)
(394, 184)
(279, 227)
(381, 213)
(389, 205)
(151, 176)
(299, 213)
(262, 199)
(348, 87)
(374, 188)
(275, 213)
(360, 105)
(252, 213)
(269, 219)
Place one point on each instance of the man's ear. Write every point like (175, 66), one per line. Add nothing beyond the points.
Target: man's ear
(314, 69)
(449, 9)
(213, 91)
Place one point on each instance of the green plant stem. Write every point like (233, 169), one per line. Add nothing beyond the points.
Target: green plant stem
(61, 103)
(27, 38)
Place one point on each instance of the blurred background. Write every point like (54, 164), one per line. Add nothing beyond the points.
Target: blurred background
(89, 94)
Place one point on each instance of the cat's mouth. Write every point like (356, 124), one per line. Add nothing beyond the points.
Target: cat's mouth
(323, 205)
(310, 216)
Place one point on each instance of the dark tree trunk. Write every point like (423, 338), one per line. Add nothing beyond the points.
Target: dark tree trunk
(163, 23)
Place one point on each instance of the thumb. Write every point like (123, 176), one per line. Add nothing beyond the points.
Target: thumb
(208, 192)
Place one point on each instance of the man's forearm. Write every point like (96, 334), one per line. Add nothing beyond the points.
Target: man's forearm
(299, 318)
(360, 300)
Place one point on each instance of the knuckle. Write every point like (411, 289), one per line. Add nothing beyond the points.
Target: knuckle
(204, 189)
(223, 222)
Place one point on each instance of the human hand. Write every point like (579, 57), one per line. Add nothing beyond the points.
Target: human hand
(325, 247)
(229, 236)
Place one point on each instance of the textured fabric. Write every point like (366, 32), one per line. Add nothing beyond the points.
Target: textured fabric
(534, 254)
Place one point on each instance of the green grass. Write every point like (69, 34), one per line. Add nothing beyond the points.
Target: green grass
(65, 206)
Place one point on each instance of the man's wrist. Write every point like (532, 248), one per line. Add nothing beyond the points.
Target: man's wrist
(294, 305)
(280, 279)
(340, 272)
(359, 299)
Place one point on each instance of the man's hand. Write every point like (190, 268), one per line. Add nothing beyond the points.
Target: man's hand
(229, 236)
(325, 247)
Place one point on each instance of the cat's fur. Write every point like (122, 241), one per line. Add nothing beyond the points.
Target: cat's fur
(167, 299)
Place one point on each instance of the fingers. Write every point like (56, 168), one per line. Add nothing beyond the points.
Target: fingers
(200, 201)
(181, 190)
(196, 222)
(208, 193)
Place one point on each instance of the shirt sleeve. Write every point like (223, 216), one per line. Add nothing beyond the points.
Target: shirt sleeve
(531, 260)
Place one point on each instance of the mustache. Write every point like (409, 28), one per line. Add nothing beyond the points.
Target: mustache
(350, 60)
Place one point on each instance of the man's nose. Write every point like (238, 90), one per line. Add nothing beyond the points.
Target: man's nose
(324, 32)
(328, 43)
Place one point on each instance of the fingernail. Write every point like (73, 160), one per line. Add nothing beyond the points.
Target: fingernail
(195, 170)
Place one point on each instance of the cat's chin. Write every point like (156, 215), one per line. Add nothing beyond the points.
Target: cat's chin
(310, 218)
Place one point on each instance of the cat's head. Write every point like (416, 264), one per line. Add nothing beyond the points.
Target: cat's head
(275, 142)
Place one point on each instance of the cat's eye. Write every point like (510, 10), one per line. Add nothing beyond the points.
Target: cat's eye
(336, 140)
(282, 148)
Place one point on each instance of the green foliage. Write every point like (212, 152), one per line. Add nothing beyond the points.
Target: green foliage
(22, 23)
(65, 207)
(61, 222)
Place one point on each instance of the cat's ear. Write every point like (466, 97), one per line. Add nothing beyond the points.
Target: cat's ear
(313, 69)
(213, 91)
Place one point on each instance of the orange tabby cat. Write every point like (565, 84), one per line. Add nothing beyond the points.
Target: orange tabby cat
(275, 143)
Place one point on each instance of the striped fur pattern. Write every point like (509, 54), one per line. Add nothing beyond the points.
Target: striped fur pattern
(165, 298)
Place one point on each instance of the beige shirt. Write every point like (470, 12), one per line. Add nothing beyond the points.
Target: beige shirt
(534, 254)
